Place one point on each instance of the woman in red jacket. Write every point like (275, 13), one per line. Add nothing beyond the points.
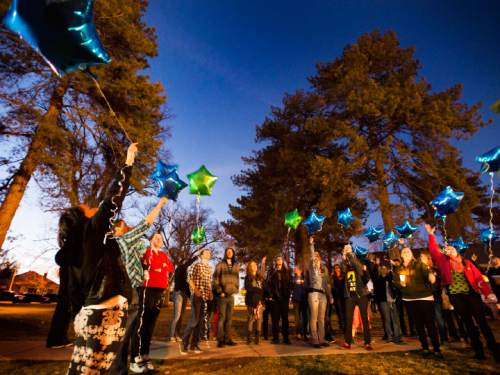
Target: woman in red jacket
(157, 266)
(465, 285)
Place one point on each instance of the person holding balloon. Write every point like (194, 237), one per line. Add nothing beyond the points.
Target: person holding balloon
(99, 286)
(465, 285)
(356, 294)
(132, 248)
(319, 294)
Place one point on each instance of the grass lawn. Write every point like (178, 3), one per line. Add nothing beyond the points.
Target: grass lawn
(19, 322)
(387, 363)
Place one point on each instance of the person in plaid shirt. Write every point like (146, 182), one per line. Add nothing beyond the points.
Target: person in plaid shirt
(132, 249)
(200, 283)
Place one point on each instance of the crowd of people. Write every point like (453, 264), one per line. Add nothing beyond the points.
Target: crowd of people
(113, 285)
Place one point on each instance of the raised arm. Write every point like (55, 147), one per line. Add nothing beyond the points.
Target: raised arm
(436, 255)
(153, 214)
(115, 195)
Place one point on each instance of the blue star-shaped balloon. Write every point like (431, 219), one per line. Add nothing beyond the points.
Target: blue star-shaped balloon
(163, 170)
(314, 222)
(406, 230)
(62, 31)
(490, 160)
(390, 240)
(169, 183)
(488, 235)
(459, 244)
(345, 217)
(447, 201)
(361, 252)
(373, 233)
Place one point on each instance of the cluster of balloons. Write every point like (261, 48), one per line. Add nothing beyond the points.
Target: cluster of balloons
(314, 222)
(62, 32)
(170, 185)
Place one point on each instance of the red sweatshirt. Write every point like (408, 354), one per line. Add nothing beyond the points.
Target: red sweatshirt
(159, 265)
(472, 274)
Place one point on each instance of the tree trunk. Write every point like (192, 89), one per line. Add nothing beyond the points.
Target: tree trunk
(31, 161)
(301, 245)
(382, 192)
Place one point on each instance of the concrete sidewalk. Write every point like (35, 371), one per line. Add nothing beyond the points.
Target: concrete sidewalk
(35, 350)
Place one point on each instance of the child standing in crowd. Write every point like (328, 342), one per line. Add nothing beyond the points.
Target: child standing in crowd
(465, 286)
(300, 306)
(319, 293)
(200, 284)
(156, 265)
(254, 297)
(415, 280)
(356, 292)
(226, 282)
(98, 284)
(279, 284)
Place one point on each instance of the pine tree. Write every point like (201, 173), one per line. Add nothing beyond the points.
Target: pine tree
(299, 168)
(371, 129)
(61, 129)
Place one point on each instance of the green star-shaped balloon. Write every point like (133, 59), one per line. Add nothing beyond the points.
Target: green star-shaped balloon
(293, 219)
(198, 235)
(201, 181)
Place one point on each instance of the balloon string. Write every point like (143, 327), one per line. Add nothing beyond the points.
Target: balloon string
(108, 104)
(444, 231)
(490, 250)
(141, 318)
(114, 210)
(198, 199)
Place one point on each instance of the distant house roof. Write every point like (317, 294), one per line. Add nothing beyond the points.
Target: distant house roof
(34, 280)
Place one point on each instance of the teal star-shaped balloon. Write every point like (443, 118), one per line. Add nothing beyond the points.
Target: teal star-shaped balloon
(345, 217)
(373, 233)
(314, 222)
(447, 202)
(406, 230)
(198, 235)
(490, 160)
(62, 31)
(459, 245)
(169, 183)
(390, 240)
(361, 252)
(293, 219)
(201, 181)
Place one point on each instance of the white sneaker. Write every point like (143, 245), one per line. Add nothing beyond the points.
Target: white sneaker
(138, 368)
(172, 339)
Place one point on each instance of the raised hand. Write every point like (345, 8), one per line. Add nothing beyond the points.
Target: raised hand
(430, 229)
(131, 151)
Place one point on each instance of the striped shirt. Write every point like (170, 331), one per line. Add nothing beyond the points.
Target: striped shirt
(132, 248)
(200, 275)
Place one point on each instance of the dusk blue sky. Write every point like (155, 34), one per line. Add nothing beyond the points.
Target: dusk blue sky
(225, 63)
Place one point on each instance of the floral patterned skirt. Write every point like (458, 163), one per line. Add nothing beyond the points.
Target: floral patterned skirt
(99, 334)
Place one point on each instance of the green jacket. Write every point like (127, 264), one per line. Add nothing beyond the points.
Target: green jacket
(226, 279)
(416, 279)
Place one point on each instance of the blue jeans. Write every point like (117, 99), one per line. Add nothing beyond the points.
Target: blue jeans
(317, 311)
(180, 302)
(392, 327)
(192, 331)
(225, 308)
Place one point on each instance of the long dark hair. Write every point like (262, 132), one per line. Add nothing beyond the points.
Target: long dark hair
(69, 237)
